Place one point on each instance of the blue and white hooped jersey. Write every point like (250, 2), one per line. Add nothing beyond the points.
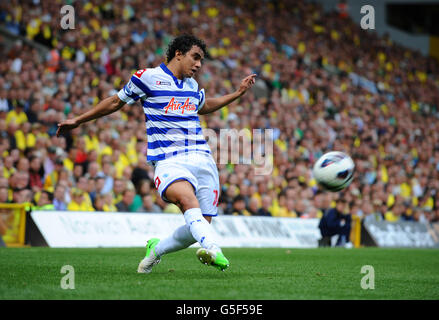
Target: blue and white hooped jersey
(171, 112)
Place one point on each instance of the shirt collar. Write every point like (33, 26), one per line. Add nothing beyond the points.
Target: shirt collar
(178, 83)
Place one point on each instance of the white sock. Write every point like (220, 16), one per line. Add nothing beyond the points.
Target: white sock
(201, 230)
(180, 239)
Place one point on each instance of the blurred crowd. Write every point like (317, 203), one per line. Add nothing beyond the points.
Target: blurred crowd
(323, 84)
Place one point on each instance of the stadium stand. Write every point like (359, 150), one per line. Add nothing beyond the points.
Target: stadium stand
(323, 84)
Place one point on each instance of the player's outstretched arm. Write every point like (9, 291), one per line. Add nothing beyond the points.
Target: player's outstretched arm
(213, 104)
(103, 108)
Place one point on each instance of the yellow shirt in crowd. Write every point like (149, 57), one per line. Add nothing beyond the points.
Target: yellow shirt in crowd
(83, 206)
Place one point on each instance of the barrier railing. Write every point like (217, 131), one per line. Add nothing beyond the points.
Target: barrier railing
(356, 231)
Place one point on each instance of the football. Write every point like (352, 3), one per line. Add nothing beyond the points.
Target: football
(334, 170)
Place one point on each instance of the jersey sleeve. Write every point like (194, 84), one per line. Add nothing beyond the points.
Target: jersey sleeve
(202, 99)
(135, 89)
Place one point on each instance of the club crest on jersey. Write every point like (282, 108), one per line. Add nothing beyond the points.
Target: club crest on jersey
(140, 72)
(177, 106)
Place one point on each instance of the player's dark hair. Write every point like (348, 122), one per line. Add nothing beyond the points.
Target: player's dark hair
(184, 43)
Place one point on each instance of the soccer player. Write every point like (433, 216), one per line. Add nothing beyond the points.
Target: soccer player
(185, 173)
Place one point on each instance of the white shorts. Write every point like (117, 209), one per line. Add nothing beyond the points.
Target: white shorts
(199, 169)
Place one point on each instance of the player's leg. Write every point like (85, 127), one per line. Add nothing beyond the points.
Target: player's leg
(208, 194)
(180, 239)
(177, 185)
(165, 175)
(344, 232)
(197, 228)
(182, 194)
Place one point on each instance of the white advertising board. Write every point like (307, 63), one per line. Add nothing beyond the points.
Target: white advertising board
(99, 229)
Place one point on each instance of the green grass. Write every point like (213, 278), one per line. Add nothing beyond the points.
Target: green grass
(272, 274)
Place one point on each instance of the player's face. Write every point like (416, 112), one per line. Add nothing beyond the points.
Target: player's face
(191, 61)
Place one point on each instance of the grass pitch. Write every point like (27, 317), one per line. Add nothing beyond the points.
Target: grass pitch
(254, 274)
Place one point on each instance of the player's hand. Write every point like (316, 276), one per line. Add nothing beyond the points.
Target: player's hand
(247, 83)
(65, 126)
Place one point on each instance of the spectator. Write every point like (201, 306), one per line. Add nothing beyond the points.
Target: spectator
(311, 213)
(108, 171)
(99, 185)
(59, 198)
(109, 203)
(253, 206)
(289, 212)
(435, 216)
(99, 202)
(49, 161)
(78, 171)
(4, 195)
(119, 188)
(265, 208)
(87, 186)
(17, 114)
(22, 165)
(44, 201)
(227, 199)
(376, 101)
(407, 213)
(371, 211)
(140, 172)
(394, 213)
(4, 104)
(36, 174)
(93, 171)
(336, 221)
(79, 202)
(144, 187)
(52, 179)
(299, 207)
(239, 206)
(421, 216)
(148, 205)
(126, 201)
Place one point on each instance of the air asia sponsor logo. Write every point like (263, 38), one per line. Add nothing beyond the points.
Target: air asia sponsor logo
(177, 106)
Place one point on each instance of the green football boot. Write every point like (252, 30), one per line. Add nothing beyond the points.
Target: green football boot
(210, 258)
(151, 258)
